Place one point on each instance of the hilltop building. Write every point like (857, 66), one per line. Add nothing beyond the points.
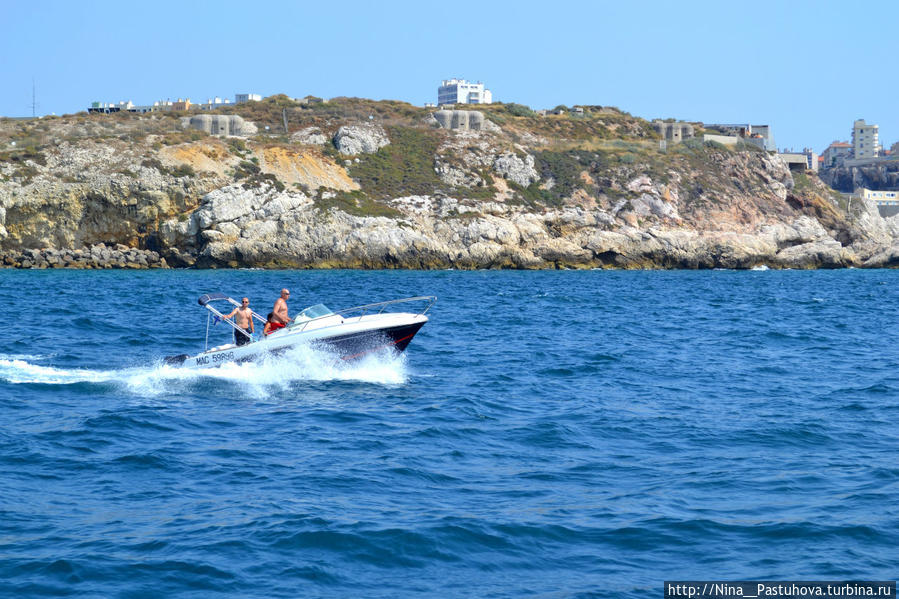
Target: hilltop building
(865, 148)
(835, 154)
(129, 106)
(806, 160)
(214, 103)
(759, 135)
(672, 131)
(812, 159)
(865, 140)
(164, 105)
(460, 91)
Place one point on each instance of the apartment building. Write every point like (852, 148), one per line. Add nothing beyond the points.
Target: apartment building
(243, 98)
(460, 91)
(865, 140)
(835, 153)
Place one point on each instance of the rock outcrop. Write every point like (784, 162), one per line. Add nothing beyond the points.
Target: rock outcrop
(584, 192)
(358, 139)
(97, 256)
(876, 176)
(311, 136)
(515, 168)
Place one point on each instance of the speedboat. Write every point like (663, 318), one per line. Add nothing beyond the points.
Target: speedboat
(347, 334)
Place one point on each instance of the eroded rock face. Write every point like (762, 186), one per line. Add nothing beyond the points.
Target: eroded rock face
(270, 228)
(517, 169)
(849, 178)
(310, 135)
(360, 139)
(215, 202)
(97, 256)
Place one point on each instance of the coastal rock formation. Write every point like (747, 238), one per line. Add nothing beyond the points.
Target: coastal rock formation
(515, 168)
(96, 256)
(310, 135)
(358, 139)
(586, 192)
(876, 176)
(303, 169)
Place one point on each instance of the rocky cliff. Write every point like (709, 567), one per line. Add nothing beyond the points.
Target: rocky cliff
(875, 176)
(356, 183)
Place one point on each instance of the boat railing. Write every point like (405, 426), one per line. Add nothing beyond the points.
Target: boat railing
(215, 316)
(376, 308)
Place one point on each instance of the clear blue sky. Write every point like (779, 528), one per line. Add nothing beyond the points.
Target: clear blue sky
(802, 67)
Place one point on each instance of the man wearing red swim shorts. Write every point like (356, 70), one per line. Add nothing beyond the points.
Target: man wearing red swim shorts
(281, 319)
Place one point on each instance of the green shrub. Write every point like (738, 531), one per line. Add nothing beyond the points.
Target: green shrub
(356, 203)
(29, 152)
(694, 143)
(245, 169)
(403, 167)
(155, 164)
(183, 170)
(519, 110)
(745, 146)
(26, 172)
(237, 146)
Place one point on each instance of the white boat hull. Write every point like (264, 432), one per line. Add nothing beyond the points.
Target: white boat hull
(346, 338)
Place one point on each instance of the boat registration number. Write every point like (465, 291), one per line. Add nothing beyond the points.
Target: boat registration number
(216, 358)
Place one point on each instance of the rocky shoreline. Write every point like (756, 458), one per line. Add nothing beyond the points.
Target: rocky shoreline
(94, 257)
(396, 189)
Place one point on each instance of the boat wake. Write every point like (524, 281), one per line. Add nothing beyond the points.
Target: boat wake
(297, 365)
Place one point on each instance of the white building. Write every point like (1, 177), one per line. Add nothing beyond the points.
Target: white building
(865, 140)
(129, 106)
(887, 202)
(460, 91)
(242, 98)
(213, 103)
(878, 197)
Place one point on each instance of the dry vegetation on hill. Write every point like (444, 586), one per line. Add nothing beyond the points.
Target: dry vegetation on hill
(575, 189)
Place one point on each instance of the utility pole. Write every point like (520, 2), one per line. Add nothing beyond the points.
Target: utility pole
(284, 116)
(33, 100)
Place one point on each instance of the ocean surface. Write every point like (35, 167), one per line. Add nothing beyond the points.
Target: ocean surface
(547, 434)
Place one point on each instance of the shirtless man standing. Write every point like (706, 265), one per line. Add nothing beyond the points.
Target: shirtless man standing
(243, 319)
(281, 319)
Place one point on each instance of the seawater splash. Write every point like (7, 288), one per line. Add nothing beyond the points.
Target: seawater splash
(23, 371)
(29, 357)
(299, 364)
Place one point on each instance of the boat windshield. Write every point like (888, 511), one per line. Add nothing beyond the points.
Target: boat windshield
(316, 311)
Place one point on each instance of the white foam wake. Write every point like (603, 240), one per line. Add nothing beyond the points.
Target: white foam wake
(22, 371)
(256, 378)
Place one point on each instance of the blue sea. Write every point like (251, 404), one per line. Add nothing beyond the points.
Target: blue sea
(547, 434)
